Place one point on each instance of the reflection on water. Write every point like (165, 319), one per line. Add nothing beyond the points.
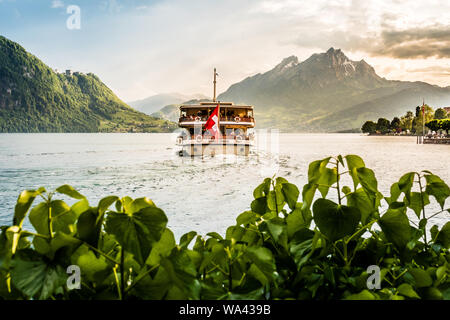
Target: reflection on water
(203, 194)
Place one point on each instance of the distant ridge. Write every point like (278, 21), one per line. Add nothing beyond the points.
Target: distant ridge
(34, 98)
(171, 112)
(328, 92)
(156, 102)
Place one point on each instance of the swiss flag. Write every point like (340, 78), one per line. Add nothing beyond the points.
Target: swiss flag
(212, 124)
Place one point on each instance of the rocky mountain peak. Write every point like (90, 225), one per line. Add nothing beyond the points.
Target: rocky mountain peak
(287, 63)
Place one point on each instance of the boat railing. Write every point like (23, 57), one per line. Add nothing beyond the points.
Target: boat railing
(208, 138)
(236, 119)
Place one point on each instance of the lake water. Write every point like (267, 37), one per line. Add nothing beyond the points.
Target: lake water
(201, 194)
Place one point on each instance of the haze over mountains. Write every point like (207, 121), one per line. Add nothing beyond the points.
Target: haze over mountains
(156, 102)
(328, 92)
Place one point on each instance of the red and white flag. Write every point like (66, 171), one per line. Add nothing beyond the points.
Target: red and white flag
(212, 124)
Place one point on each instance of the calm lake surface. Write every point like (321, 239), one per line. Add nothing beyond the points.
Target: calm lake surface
(201, 194)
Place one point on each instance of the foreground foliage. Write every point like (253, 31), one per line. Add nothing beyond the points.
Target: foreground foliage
(279, 249)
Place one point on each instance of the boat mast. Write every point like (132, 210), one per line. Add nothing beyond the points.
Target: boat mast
(423, 119)
(214, 82)
(214, 100)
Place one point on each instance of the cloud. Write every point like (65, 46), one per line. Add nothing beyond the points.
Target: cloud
(415, 43)
(111, 6)
(434, 70)
(57, 4)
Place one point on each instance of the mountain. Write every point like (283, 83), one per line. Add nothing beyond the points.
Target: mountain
(171, 112)
(155, 103)
(328, 92)
(34, 98)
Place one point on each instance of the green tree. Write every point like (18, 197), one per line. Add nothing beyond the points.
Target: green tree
(406, 121)
(445, 125)
(395, 123)
(429, 115)
(418, 110)
(433, 125)
(369, 127)
(383, 125)
(440, 114)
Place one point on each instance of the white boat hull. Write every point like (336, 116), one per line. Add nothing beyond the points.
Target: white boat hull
(192, 148)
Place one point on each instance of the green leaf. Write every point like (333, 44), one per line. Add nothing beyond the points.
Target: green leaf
(140, 203)
(126, 204)
(302, 250)
(259, 205)
(297, 220)
(181, 274)
(70, 191)
(24, 202)
(437, 188)
(363, 295)
(278, 231)
(335, 221)
(327, 179)
(407, 290)
(162, 248)
(137, 232)
(105, 203)
(263, 263)
(315, 169)
(291, 193)
(368, 182)
(415, 202)
(274, 201)
(93, 268)
(13, 234)
(346, 190)
(63, 240)
(353, 163)
(79, 207)
(405, 183)
(214, 235)
(62, 217)
(249, 235)
(263, 189)
(308, 192)
(444, 235)
(35, 277)
(341, 160)
(186, 239)
(217, 256)
(87, 227)
(395, 193)
(421, 277)
(395, 225)
(434, 231)
(360, 200)
(246, 217)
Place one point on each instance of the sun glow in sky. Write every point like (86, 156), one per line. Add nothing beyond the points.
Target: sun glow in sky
(143, 47)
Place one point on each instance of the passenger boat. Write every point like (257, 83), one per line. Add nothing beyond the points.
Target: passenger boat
(215, 127)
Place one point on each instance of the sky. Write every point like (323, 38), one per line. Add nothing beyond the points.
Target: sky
(144, 47)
